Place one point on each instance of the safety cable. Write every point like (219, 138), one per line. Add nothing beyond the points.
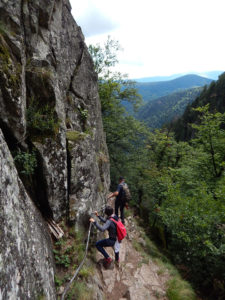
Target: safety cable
(80, 266)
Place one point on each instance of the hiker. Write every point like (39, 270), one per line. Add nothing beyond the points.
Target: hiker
(120, 203)
(111, 241)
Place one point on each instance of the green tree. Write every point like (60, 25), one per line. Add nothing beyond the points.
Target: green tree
(124, 134)
(211, 139)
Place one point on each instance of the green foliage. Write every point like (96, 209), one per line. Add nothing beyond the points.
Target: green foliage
(69, 252)
(86, 272)
(179, 289)
(183, 193)
(75, 136)
(163, 110)
(177, 187)
(214, 96)
(211, 139)
(104, 57)
(61, 259)
(58, 281)
(26, 162)
(121, 129)
(41, 119)
(10, 69)
(80, 291)
(84, 114)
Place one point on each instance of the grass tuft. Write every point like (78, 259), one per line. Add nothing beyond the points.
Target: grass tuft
(179, 289)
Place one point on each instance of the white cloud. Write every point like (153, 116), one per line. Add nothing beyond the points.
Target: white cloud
(93, 21)
(158, 37)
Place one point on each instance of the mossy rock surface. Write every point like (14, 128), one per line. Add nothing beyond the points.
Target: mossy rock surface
(75, 136)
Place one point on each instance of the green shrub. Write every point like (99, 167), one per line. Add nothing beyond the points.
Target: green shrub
(84, 114)
(41, 119)
(80, 291)
(62, 259)
(26, 162)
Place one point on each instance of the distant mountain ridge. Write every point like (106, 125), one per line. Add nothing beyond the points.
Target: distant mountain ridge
(167, 108)
(214, 95)
(210, 74)
(154, 90)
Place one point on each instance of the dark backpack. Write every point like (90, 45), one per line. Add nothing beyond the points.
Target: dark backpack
(126, 196)
(120, 229)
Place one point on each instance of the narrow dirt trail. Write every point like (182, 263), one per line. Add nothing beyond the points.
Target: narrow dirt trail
(136, 278)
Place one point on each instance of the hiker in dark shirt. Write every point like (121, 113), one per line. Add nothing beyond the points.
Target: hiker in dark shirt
(119, 203)
(111, 227)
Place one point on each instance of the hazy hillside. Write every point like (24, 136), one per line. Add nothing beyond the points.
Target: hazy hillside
(211, 75)
(214, 95)
(164, 109)
(154, 90)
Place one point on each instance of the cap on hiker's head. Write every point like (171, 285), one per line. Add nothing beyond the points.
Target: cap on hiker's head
(108, 211)
(121, 178)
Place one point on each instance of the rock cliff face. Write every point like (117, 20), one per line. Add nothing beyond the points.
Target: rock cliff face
(27, 268)
(51, 123)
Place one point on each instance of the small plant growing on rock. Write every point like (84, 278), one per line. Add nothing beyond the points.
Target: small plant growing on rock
(83, 113)
(26, 162)
(41, 119)
(69, 252)
(61, 259)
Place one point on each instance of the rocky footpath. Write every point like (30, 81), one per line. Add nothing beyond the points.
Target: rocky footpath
(136, 278)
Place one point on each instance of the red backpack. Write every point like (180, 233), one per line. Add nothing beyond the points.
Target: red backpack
(121, 230)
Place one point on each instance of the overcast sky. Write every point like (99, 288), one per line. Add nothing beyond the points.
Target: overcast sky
(158, 37)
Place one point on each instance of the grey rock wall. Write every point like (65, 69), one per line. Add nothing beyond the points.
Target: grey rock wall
(45, 69)
(26, 261)
(49, 107)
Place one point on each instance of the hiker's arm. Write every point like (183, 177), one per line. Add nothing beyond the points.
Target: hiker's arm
(104, 227)
(116, 193)
(102, 219)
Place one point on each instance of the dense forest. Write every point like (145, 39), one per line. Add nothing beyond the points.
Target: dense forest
(214, 95)
(177, 185)
(165, 109)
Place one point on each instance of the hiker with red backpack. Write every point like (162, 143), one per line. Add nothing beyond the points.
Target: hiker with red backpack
(122, 195)
(112, 225)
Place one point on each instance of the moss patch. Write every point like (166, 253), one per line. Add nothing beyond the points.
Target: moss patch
(11, 69)
(75, 136)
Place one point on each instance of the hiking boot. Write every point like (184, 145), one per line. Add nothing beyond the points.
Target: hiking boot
(117, 262)
(107, 261)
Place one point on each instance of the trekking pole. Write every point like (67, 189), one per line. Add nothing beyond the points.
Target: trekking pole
(80, 266)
